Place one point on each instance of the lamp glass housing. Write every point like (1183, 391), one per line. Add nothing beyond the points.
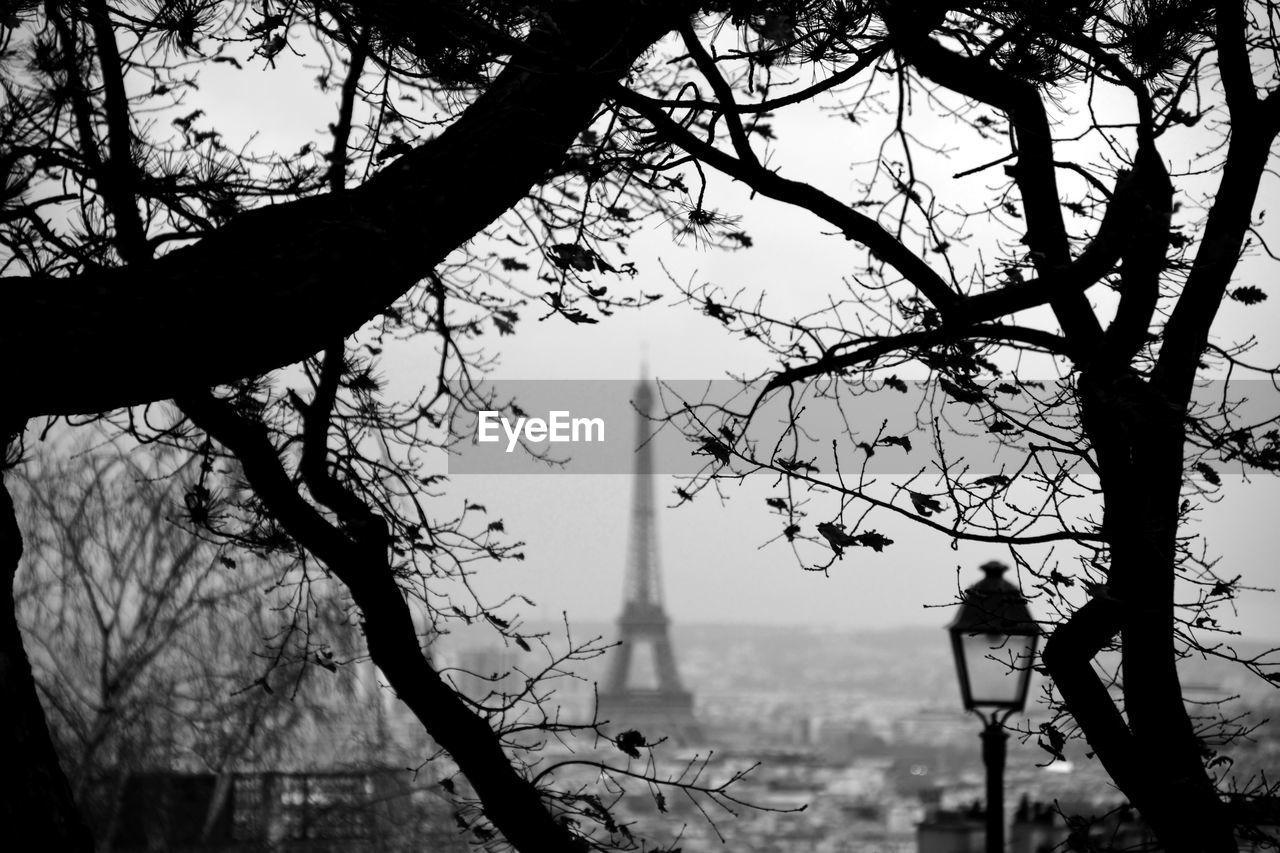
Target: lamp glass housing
(996, 669)
(994, 640)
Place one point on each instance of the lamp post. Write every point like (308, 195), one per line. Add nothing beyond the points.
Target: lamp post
(994, 641)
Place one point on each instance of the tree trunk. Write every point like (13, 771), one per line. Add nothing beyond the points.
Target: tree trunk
(510, 801)
(1157, 760)
(358, 556)
(35, 799)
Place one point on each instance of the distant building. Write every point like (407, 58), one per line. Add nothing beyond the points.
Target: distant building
(643, 689)
(487, 673)
(369, 811)
(334, 780)
(1036, 828)
(946, 831)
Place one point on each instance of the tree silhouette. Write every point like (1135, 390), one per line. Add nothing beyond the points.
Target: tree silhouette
(148, 259)
(1098, 254)
(139, 636)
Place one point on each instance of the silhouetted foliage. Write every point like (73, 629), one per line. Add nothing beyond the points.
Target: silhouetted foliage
(151, 257)
(1058, 231)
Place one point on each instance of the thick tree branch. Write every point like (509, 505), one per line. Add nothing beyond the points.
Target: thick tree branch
(865, 60)
(1253, 131)
(510, 801)
(276, 284)
(1057, 286)
(855, 226)
(1233, 59)
(346, 106)
(1068, 656)
(1186, 334)
(871, 349)
(1098, 259)
(77, 91)
(724, 95)
(119, 175)
(1145, 253)
(314, 465)
(1034, 172)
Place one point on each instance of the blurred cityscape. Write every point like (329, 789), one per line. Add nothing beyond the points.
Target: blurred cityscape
(657, 736)
(859, 743)
(849, 742)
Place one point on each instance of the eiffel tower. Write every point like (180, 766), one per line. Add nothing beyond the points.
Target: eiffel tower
(643, 689)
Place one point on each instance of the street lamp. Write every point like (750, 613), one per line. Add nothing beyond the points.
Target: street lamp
(994, 640)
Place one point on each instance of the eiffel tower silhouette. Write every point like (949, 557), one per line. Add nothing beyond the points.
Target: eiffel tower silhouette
(643, 689)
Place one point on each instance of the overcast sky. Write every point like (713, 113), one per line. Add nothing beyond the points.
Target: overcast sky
(715, 568)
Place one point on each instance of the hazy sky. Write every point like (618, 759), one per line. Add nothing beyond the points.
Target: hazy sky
(714, 566)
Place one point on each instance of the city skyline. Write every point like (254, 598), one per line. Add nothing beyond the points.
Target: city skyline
(956, 289)
(793, 264)
(575, 526)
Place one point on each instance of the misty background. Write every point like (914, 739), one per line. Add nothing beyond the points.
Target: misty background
(721, 559)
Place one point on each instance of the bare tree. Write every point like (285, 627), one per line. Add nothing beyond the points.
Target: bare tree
(132, 228)
(1085, 256)
(137, 248)
(142, 636)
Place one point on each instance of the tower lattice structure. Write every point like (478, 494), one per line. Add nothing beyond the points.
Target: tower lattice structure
(643, 689)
